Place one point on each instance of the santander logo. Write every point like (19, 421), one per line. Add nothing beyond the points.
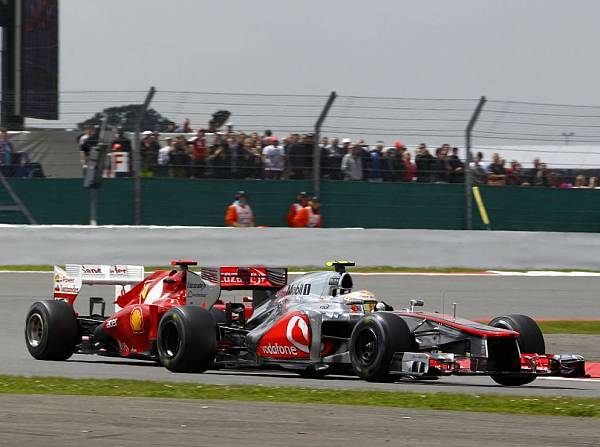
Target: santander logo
(297, 333)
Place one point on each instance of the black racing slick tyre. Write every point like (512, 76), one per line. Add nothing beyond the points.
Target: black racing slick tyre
(373, 342)
(51, 330)
(187, 339)
(530, 340)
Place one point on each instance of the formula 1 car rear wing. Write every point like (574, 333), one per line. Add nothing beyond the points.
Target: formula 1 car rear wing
(247, 277)
(68, 282)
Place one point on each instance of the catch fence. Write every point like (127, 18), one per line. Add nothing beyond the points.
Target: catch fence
(513, 144)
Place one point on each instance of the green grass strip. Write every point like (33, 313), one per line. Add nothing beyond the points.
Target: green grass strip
(583, 327)
(490, 403)
(586, 327)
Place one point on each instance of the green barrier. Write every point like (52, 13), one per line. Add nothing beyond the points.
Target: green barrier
(204, 202)
(540, 209)
(168, 201)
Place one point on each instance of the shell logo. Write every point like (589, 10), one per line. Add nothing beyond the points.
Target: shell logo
(136, 320)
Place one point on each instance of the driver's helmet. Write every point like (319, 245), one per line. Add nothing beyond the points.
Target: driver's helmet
(359, 295)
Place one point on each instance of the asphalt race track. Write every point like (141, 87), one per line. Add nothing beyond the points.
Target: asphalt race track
(100, 421)
(478, 296)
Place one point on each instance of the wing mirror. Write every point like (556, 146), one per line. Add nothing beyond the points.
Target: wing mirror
(416, 303)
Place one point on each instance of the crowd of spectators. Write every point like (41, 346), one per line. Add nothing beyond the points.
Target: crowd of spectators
(182, 153)
(14, 163)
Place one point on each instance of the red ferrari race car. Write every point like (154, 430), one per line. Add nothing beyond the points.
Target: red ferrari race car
(315, 325)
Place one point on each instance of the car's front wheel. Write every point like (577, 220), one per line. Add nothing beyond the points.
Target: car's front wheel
(530, 340)
(51, 330)
(374, 340)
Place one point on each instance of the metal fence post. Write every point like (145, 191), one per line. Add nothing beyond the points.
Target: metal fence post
(137, 159)
(316, 148)
(469, 159)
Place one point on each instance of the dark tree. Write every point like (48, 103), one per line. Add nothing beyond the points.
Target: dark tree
(126, 117)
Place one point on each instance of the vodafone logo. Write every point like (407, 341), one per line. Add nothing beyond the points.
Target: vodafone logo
(289, 338)
(297, 333)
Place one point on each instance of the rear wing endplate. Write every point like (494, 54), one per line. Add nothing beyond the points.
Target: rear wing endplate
(68, 282)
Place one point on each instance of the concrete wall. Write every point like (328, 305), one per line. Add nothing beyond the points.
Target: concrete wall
(22, 244)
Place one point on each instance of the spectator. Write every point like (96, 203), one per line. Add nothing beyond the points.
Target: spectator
(363, 151)
(514, 174)
(149, 153)
(164, 154)
(580, 182)
(121, 139)
(296, 207)
(352, 168)
(120, 158)
(199, 154)
(185, 127)
(254, 161)
(266, 138)
(393, 167)
(478, 170)
(457, 167)
(334, 154)
(496, 171)
(218, 157)
(338, 151)
(273, 160)
(555, 181)
(309, 216)
(532, 173)
(296, 157)
(541, 175)
(247, 158)
(171, 127)
(424, 162)
(6, 152)
(235, 162)
(441, 167)
(376, 164)
(410, 170)
(86, 142)
(179, 159)
(300, 157)
(239, 214)
(496, 166)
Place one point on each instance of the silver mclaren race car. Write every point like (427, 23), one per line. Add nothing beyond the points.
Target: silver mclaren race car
(315, 325)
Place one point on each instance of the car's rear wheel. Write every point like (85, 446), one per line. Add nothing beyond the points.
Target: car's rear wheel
(373, 342)
(530, 340)
(51, 330)
(187, 339)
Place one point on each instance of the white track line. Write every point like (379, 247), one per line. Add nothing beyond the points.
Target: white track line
(570, 379)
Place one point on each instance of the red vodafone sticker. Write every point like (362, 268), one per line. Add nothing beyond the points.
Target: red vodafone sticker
(289, 338)
(297, 333)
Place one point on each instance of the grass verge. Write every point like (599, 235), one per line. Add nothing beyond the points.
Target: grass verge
(583, 327)
(554, 406)
(586, 327)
